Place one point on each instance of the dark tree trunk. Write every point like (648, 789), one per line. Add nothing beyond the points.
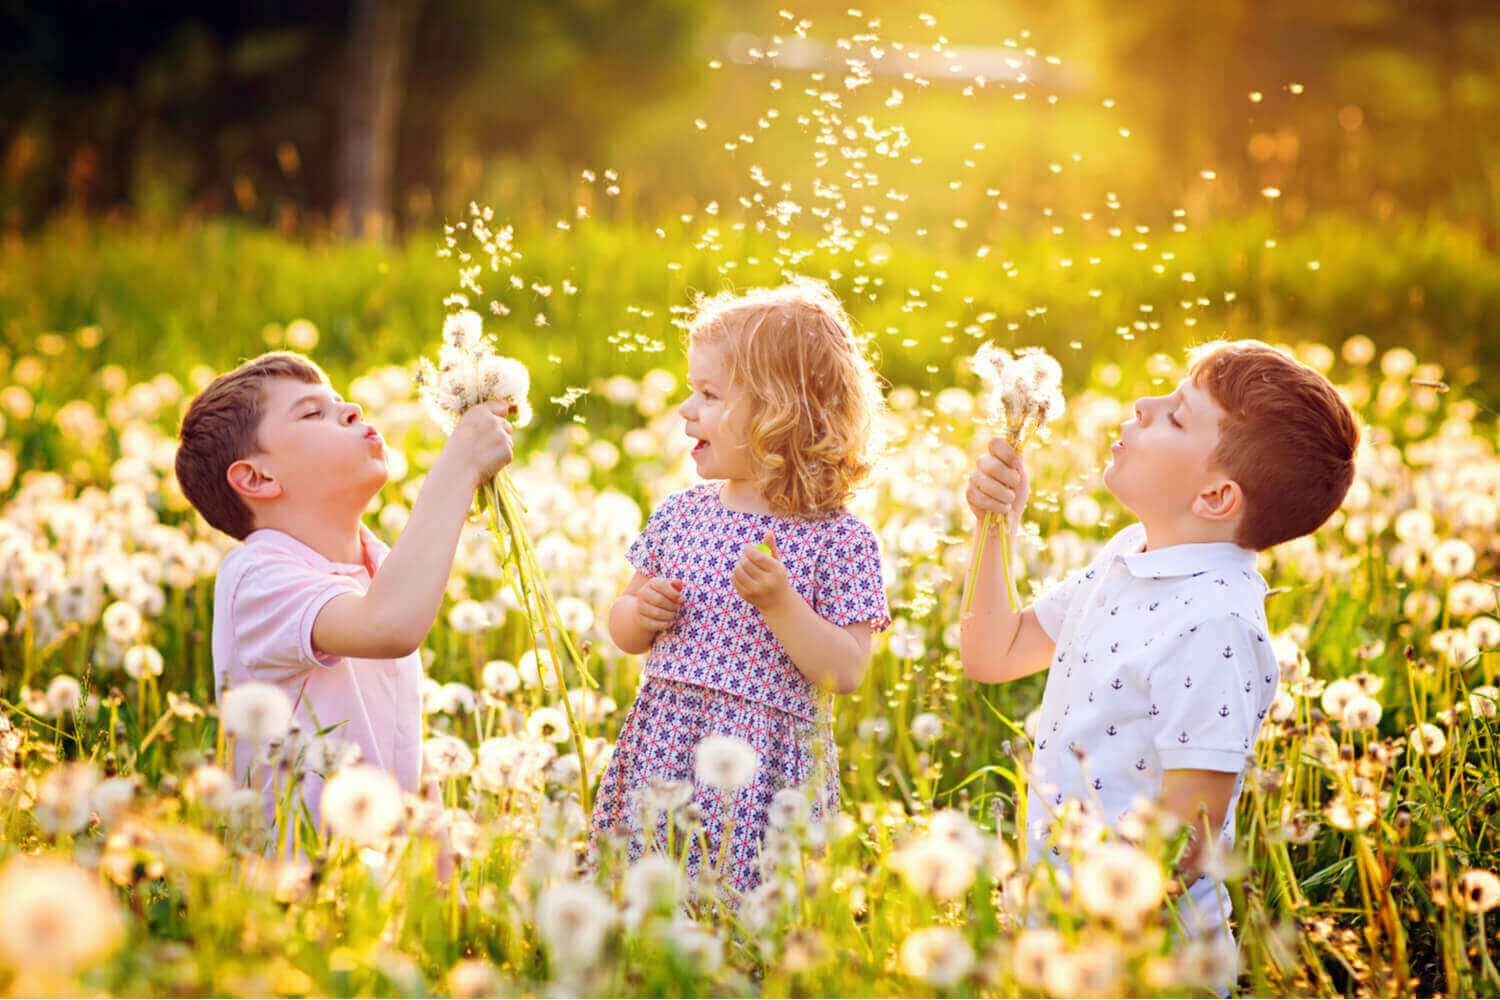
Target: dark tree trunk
(374, 78)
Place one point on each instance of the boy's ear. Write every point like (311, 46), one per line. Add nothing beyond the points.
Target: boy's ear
(1219, 500)
(252, 483)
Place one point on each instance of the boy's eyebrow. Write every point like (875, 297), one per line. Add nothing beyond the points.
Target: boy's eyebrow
(312, 398)
(1182, 398)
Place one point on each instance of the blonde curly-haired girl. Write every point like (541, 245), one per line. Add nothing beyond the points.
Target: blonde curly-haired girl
(756, 593)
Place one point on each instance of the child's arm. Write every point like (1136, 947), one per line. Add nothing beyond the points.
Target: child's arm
(648, 605)
(1200, 800)
(998, 644)
(393, 616)
(831, 656)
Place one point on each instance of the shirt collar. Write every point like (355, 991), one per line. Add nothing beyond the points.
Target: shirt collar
(375, 550)
(1188, 559)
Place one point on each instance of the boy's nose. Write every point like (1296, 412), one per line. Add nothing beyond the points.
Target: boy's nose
(353, 413)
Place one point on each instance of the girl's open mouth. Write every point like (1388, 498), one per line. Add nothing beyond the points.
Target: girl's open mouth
(699, 446)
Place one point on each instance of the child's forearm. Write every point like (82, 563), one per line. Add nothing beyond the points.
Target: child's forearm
(988, 632)
(395, 614)
(626, 628)
(825, 653)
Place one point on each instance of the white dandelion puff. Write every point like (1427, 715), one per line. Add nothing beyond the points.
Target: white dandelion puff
(939, 956)
(256, 712)
(142, 661)
(935, 866)
(64, 801)
(363, 804)
(64, 694)
(926, 727)
(1119, 882)
(1362, 712)
(1429, 739)
(549, 724)
(725, 762)
(1477, 890)
(445, 757)
(573, 919)
(58, 917)
(122, 622)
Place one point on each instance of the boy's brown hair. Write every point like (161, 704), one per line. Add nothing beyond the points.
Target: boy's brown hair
(220, 428)
(1287, 438)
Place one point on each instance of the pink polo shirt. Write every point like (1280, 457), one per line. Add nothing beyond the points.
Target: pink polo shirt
(267, 595)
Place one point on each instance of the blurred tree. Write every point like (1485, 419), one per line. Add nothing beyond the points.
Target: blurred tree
(375, 64)
(334, 106)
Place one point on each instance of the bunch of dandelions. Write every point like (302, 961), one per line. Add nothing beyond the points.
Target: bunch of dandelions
(1020, 394)
(470, 371)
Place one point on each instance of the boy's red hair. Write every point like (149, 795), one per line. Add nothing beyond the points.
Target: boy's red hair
(1287, 438)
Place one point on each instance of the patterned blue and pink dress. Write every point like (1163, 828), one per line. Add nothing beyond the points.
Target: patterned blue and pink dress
(719, 669)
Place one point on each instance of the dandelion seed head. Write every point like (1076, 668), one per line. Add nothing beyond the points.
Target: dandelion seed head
(256, 713)
(939, 956)
(363, 804)
(58, 916)
(725, 762)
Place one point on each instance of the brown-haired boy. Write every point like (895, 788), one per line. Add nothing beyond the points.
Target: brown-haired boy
(1160, 666)
(313, 602)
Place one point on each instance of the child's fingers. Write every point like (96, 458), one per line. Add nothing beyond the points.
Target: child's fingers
(658, 622)
(998, 494)
(666, 601)
(1002, 449)
(654, 603)
(997, 470)
(747, 581)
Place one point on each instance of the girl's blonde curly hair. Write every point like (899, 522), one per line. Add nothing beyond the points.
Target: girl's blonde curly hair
(807, 391)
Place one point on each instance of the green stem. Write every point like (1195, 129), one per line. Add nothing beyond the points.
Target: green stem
(984, 530)
(537, 605)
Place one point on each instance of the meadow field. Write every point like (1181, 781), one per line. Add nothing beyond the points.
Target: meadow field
(1367, 850)
(945, 215)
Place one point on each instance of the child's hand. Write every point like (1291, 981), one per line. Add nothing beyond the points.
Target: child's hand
(656, 603)
(999, 484)
(481, 442)
(760, 577)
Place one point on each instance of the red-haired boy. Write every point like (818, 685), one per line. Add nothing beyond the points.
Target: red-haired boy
(1159, 664)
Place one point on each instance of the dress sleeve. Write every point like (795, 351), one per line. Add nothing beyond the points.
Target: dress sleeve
(1206, 692)
(851, 585)
(275, 605)
(646, 551)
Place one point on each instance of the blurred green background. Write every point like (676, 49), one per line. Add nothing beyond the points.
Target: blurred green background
(189, 179)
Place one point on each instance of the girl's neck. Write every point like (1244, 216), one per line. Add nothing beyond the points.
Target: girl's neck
(742, 495)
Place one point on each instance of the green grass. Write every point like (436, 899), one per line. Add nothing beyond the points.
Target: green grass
(1339, 912)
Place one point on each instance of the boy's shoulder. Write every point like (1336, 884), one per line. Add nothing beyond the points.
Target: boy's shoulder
(266, 552)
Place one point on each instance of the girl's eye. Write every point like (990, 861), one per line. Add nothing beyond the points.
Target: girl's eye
(311, 413)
